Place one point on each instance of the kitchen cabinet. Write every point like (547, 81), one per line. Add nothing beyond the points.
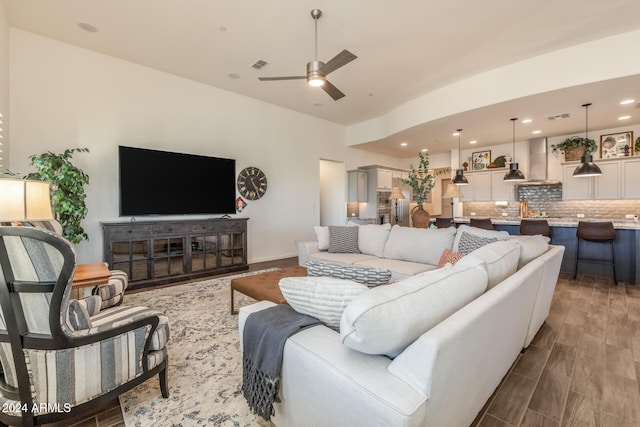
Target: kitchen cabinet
(357, 186)
(500, 189)
(608, 185)
(478, 189)
(575, 188)
(630, 178)
(385, 179)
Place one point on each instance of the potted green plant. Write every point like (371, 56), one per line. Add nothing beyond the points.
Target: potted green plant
(422, 180)
(67, 189)
(574, 147)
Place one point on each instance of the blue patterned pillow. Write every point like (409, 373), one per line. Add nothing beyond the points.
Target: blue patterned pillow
(343, 240)
(470, 242)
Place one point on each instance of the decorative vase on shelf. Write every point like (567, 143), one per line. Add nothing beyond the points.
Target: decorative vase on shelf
(420, 217)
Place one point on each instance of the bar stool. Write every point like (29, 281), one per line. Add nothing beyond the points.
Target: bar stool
(599, 232)
(445, 222)
(535, 226)
(481, 223)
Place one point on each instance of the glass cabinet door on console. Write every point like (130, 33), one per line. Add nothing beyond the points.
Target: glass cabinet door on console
(204, 252)
(168, 256)
(132, 258)
(231, 248)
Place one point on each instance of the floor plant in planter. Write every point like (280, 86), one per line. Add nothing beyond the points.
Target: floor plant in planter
(421, 180)
(67, 189)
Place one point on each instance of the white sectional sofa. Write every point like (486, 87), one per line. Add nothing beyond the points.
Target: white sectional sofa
(428, 350)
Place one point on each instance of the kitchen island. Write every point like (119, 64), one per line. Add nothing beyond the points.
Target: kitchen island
(627, 245)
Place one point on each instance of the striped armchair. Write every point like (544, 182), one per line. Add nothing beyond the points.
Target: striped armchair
(53, 367)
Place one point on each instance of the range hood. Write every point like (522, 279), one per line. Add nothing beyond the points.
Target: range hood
(538, 163)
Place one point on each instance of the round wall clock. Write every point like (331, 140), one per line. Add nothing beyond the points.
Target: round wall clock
(252, 183)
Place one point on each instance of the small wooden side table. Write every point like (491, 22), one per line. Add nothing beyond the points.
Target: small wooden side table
(90, 275)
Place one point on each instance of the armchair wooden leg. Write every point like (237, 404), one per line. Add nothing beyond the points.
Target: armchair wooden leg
(164, 380)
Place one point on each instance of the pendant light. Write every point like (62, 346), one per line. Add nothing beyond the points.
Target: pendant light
(460, 179)
(514, 173)
(587, 167)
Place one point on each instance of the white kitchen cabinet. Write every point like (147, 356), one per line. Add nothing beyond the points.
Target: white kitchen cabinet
(608, 185)
(575, 188)
(385, 180)
(630, 178)
(500, 189)
(357, 186)
(478, 189)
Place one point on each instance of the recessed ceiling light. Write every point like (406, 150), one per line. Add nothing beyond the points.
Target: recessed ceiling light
(473, 142)
(627, 101)
(87, 27)
(424, 150)
(624, 117)
(403, 144)
(222, 28)
(233, 75)
(318, 104)
(527, 121)
(536, 131)
(455, 134)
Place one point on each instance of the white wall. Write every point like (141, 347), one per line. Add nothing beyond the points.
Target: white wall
(62, 96)
(333, 193)
(4, 89)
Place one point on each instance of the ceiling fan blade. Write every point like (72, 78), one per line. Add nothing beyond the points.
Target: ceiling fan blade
(268, 79)
(333, 91)
(343, 58)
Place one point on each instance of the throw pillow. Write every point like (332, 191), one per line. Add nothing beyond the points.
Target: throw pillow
(80, 312)
(421, 245)
(322, 233)
(470, 242)
(366, 275)
(449, 257)
(387, 319)
(324, 298)
(479, 232)
(343, 239)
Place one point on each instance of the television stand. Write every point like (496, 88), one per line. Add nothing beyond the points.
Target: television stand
(158, 252)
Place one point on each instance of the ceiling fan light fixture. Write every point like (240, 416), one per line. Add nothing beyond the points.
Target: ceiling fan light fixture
(314, 77)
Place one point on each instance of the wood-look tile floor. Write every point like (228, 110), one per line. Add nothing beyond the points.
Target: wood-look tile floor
(582, 368)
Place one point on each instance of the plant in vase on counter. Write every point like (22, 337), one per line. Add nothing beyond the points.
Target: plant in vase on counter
(422, 180)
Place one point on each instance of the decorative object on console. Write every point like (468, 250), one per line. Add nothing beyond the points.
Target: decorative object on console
(252, 183)
(587, 167)
(24, 200)
(240, 204)
(617, 144)
(460, 179)
(67, 189)
(514, 173)
(396, 194)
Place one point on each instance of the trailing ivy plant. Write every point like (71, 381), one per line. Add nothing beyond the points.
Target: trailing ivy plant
(67, 189)
(422, 180)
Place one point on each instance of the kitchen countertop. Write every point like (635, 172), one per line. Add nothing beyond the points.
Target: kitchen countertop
(627, 224)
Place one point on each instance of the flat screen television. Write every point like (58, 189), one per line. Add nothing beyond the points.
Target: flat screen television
(154, 182)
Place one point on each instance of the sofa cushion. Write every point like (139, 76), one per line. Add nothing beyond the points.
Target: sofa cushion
(423, 245)
(366, 275)
(530, 247)
(322, 234)
(449, 257)
(372, 238)
(500, 258)
(343, 259)
(473, 238)
(343, 239)
(324, 298)
(387, 319)
(399, 269)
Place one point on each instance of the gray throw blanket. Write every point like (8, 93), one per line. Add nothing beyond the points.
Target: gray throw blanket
(265, 333)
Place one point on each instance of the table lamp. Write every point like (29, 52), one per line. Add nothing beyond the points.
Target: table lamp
(452, 191)
(24, 200)
(396, 194)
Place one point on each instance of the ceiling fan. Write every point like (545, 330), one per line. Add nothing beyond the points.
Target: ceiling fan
(318, 70)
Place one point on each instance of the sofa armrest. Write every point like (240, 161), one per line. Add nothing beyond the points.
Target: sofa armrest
(304, 250)
(245, 311)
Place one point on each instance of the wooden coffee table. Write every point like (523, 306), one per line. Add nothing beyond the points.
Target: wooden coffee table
(264, 286)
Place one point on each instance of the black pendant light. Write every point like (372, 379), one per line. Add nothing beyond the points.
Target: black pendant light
(460, 179)
(514, 173)
(587, 167)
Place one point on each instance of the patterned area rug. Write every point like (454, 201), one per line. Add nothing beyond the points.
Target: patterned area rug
(205, 369)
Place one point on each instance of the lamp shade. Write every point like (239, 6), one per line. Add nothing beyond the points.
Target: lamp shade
(587, 168)
(396, 194)
(24, 200)
(452, 191)
(514, 173)
(460, 179)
